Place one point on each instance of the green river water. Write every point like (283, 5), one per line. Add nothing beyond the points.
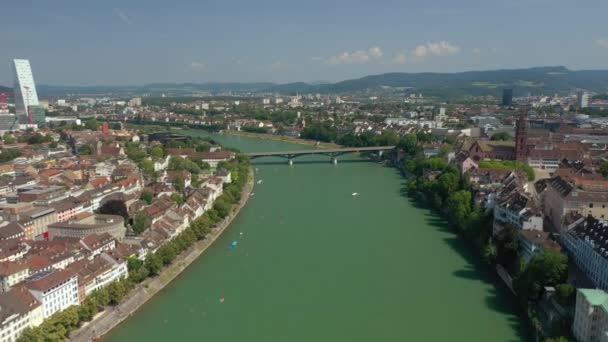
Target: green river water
(314, 263)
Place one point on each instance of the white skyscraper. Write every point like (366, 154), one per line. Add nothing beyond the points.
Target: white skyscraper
(25, 89)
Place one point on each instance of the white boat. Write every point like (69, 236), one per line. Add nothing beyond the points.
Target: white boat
(260, 181)
(355, 194)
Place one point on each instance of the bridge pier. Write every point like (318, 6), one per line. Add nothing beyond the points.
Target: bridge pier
(380, 153)
(290, 161)
(334, 160)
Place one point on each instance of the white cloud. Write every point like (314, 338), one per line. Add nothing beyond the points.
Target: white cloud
(279, 65)
(602, 42)
(401, 58)
(198, 66)
(356, 57)
(442, 48)
(477, 51)
(123, 16)
(375, 52)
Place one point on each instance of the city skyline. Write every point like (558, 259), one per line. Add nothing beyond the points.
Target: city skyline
(125, 44)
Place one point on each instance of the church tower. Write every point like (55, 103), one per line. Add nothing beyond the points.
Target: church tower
(521, 136)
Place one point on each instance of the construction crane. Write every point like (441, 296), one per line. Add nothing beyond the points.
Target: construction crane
(3, 101)
(30, 120)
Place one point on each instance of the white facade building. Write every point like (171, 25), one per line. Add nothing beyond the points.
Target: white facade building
(591, 316)
(587, 244)
(25, 88)
(19, 310)
(56, 291)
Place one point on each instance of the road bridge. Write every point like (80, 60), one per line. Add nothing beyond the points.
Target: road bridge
(333, 153)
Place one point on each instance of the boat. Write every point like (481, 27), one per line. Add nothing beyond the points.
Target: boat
(260, 181)
(234, 243)
(355, 194)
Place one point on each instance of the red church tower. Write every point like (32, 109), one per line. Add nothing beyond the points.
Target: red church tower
(521, 136)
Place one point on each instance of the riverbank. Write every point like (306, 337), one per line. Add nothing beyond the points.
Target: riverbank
(283, 138)
(113, 316)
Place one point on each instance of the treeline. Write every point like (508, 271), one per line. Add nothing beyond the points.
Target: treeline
(436, 183)
(58, 327)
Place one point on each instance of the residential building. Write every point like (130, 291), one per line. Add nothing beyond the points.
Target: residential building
(587, 246)
(591, 316)
(561, 198)
(57, 291)
(12, 273)
(533, 243)
(19, 310)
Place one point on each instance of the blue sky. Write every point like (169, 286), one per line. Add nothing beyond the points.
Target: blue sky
(131, 42)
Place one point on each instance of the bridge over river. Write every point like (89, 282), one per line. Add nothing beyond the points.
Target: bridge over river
(333, 153)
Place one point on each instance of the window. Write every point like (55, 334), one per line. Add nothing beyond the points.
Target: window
(590, 205)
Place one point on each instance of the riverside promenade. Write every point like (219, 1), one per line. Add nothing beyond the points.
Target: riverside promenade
(113, 316)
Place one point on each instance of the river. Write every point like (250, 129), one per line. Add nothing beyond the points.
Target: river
(314, 263)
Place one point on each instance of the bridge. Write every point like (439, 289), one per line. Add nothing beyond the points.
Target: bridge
(333, 153)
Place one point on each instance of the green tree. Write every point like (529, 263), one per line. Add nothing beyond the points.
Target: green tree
(604, 169)
(547, 269)
(92, 124)
(85, 150)
(8, 138)
(409, 144)
(178, 199)
(141, 222)
(157, 152)
(147, 197)
(459, 207)
(501, 136)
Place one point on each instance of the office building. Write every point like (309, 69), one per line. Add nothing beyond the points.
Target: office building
(582, 99)
(27, 107)
(507, 97)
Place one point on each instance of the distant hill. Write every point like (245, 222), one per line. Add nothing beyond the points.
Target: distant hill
(4, 89)
(545, 80)
(541, 80)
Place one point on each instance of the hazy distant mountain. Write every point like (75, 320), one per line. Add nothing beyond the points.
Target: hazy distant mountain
(4, 89)
(542, 80)
(545, 80)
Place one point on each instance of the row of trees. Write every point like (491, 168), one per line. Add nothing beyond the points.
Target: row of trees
(59, 326)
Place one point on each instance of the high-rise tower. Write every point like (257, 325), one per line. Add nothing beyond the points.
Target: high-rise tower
(507, 97)
(521, 136)
(26, 98)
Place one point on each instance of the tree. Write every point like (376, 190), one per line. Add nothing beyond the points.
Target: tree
(409, 144)
(604, 169)
(147, 197)
(179, 183)
(114, 207)
(501, 136)
(157, 152)
(92, 124)
(8, 138)
(566, 293)
(547, 269)
(178, 199)
(9, 154)
(85, 150)
(141, 222)
(459, 207)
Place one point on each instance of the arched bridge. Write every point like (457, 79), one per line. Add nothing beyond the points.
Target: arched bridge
(333, 153)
